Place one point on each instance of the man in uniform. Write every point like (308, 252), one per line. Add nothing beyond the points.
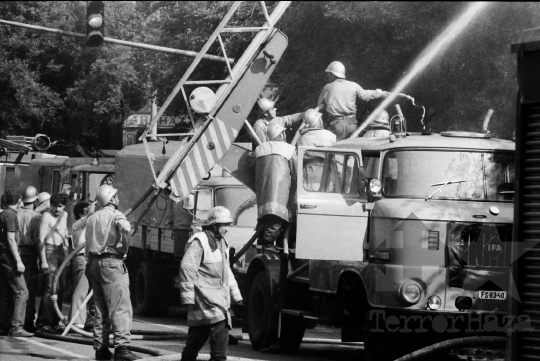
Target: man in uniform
(313, 134)
(13, 292)
(208, 287)
(53, 244)
(338, 98)
(29, 245)
(275, 185)
(268, 114)
(380, 127)
(107, 242)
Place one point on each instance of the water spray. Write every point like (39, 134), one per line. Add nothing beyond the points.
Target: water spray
(435, 48)
(418, 106)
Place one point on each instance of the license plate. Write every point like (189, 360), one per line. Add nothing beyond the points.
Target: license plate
(492, 295)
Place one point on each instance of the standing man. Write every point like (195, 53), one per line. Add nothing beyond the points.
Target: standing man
(267, 114)
(338, 98)
(53, 238)
(13, 292)
(207, 287)
(82, 211)
(275, 174)
(107, 241)
(29, 247)
(313, 134)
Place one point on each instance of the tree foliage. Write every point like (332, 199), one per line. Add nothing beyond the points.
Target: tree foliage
(55, 85)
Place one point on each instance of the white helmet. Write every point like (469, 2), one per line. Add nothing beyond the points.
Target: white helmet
(219, 214)
(336, 68)
(382, 118)
(105, 194)
(312, 118)
(274, 130)
(30, 194)
(202, 100)
(43, 197)
(265, 104)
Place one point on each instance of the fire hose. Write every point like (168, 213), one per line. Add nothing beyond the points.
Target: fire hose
(475, 341)
(136, 334)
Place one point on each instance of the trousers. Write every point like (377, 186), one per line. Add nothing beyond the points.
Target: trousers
(343, 128)
(218, 333)
(47, 315)
(110, 281)
(31, 278)
(13, 295)
(82, 287)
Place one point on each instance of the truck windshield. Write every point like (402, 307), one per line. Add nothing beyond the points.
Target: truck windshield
(413, 174)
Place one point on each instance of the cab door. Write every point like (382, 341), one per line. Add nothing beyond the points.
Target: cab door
(332, 219)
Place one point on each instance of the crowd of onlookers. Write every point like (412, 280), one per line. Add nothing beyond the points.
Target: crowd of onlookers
(35, 240)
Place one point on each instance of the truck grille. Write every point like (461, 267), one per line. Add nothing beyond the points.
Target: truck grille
(480, 245)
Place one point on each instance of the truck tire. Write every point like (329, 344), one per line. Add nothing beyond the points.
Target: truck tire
(148, 303)
(292, 332)
(262, 321)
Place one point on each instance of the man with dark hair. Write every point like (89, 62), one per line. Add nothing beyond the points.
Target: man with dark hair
(53, 238)
(82, 211)
(28, 245)
(13, 292)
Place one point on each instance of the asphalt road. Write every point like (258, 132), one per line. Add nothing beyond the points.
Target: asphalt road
(35, 348)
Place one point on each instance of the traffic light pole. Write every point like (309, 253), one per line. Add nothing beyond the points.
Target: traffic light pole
(187, 53)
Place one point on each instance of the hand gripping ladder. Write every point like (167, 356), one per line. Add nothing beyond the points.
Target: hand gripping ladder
(236, 96)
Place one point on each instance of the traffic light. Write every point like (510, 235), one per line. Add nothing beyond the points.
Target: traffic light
(95, 23)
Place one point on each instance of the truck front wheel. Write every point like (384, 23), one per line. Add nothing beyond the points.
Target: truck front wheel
(147, 302)
(262, 321)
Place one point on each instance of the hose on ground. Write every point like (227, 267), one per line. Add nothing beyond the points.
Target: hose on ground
(86, 341)
(137, 334)
(475, 341)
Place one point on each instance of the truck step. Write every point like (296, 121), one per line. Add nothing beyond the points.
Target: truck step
(307, 315)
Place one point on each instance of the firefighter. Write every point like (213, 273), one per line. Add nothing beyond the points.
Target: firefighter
(267, 114)
(313, 134)
(107, 242)
(13, 291)
(208, 287)
(275, 174)
(338, 98)
(380, 127)
(28, 247)
(43, 202)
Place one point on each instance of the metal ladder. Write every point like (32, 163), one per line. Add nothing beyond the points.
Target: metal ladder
(213, 131)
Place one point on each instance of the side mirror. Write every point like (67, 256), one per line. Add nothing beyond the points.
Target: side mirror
(188, 203)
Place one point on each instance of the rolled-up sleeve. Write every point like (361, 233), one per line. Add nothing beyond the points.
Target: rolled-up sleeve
(367, 94)
(188, 272)
(288, 120)
(236, 296)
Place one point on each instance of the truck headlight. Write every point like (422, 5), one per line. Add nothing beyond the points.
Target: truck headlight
(410, 292)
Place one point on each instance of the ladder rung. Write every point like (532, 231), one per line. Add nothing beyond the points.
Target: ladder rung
(243, 30)
(207, 81)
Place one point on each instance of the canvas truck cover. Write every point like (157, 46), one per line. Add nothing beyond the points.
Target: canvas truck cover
(134, 176)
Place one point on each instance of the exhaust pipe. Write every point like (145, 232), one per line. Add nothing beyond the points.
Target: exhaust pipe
(486, 121)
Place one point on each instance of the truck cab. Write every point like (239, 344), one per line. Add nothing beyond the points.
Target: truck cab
(392, 233)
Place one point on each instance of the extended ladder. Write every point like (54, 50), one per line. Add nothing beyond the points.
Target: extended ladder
(213, 138)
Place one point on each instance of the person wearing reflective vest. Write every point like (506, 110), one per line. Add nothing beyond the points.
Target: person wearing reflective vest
(275, 185)
(208, 287)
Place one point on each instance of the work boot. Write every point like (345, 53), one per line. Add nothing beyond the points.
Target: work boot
(122, 353)
(59, 329)
(30, 328)
(21, 333)
(270, 249)
(49, 329)
(104, 354)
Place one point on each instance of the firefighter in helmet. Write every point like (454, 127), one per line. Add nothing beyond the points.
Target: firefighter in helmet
(208, 287)
(267, 115)
(107, 242)
(275, 185)
(380, 127)
(313, 134)
(338, 98)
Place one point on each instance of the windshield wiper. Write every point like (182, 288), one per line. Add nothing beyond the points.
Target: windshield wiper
(442, 185)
